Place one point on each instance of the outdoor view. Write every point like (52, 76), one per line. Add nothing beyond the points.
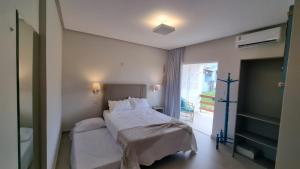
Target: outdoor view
(198, 88)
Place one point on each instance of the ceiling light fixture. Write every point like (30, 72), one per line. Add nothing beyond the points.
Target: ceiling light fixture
(163, 29)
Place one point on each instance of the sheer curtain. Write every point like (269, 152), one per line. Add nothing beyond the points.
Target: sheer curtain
(173, 80)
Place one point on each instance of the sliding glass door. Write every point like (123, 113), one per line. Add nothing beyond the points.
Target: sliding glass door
(198, 89)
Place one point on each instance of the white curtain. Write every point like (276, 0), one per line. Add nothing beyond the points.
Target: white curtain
(173, 80)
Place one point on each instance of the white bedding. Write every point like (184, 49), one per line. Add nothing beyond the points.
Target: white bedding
(116, 121)
(26, 147)
(95, 149)
(166, 145)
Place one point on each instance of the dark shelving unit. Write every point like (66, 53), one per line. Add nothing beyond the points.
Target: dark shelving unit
(259, 109)
(266, 119)
(258, 139)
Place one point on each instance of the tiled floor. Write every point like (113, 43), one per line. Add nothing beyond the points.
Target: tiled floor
(206, 158)
(202, 122)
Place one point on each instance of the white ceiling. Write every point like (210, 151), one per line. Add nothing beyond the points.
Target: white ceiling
(195, 20)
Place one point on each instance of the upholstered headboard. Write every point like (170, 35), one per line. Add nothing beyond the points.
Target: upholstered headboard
(122, 91)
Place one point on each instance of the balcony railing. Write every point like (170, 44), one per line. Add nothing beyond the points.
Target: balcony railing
(207, 103)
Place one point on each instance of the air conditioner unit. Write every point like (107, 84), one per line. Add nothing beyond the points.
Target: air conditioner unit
(259, 37)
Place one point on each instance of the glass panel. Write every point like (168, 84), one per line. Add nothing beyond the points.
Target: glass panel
(198, 89)
(26, 51)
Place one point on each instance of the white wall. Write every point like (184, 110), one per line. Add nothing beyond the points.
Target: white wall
(88, 58)
(54, 74)
(228, 56)
(289, 135)
(29, 10)
(8, 88)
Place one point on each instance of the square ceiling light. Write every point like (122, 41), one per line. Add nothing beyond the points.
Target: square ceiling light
(163, 29)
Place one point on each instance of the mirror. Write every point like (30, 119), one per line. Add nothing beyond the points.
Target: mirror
(26, 54)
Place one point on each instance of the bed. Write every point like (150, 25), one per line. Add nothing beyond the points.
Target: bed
(94, 149)
(145, 134)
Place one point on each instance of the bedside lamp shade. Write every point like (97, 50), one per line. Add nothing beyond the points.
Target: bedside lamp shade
(96, 87)
(156, 87)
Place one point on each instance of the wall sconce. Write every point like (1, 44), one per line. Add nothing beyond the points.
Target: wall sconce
(156, 87)
(96, 87)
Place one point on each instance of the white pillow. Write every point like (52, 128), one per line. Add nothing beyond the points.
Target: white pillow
(119, 105)
(139, 103)
(89, 124)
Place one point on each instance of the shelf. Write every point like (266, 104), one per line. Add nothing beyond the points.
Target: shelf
(258, 139)
(269, 164)
(262, 118)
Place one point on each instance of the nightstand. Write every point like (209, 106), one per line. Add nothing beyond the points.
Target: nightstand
(159, 108)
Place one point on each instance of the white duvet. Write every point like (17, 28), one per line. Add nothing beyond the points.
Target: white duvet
(26, 147)
(120, 120)
(166, 145)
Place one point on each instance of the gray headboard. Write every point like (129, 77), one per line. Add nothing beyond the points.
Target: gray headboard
(122, 91)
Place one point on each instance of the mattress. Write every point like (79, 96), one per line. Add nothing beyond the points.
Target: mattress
(95, 149)
(26, 147)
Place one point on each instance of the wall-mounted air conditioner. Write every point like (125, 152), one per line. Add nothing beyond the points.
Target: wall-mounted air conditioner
(259, 37)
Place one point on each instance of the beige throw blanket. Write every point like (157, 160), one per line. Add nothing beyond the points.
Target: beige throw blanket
(156, 140)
